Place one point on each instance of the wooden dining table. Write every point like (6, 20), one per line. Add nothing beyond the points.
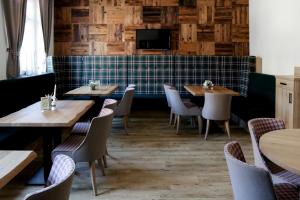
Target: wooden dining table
(12, 163)
(283, 148)
(199, 90)
(51, 123)
(100, 90)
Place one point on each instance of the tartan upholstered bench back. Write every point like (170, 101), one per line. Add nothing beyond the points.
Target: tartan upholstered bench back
(150, 72)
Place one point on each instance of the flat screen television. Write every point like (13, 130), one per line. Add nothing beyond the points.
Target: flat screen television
(153, 39)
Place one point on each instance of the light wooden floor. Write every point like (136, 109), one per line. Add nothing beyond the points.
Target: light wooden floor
(152, 163)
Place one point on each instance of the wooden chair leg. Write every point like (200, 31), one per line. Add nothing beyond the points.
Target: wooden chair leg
(125, 123)
(171, 119)
(199, 124)
(178, 123)
(93, 176)
(207, 129)
(175, 120)
(227, 129)
(104, 161)
(101, 166)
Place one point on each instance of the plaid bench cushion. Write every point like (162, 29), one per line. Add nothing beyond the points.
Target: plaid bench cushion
(228, 71)
(150, 72)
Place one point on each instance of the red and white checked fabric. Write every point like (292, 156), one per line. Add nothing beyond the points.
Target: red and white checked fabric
(68, 146)
(234, 149)
(104, 112)
(110, 103)
(63, 166)
(81, 128)
(289, 177)
(189, 104)
(260, 126)
(285, 191)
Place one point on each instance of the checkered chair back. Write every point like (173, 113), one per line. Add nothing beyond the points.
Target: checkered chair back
(257, 128)
(248, 182)
(125, 103)
(110, 103)
(93, 146)
(59, 181)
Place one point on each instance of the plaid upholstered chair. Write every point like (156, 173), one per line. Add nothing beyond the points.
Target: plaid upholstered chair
(81, 128)
(124, 106)
(59, 181)
(253, 183)
(217, 107)
(180, 108)
(259, 127)
(91, 147)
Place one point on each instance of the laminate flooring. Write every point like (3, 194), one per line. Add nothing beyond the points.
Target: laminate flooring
(153, 163)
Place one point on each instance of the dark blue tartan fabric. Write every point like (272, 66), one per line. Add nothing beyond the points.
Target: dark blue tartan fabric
(108, 69)
(229, 71)
(68, 72)
(150, 72)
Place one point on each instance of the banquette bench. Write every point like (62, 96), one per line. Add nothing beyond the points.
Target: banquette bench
(149, 72)
(15, 95)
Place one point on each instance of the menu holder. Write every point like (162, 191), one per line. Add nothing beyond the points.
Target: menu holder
(45, 103)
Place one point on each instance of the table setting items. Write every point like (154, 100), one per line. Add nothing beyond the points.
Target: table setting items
(208, 84)
(48, 102)
(93, 84)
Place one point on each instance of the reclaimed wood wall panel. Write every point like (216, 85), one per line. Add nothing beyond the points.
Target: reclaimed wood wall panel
(108, 27)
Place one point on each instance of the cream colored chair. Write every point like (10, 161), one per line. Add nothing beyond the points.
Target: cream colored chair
(179, 108)
(217, 107)
(90, 147)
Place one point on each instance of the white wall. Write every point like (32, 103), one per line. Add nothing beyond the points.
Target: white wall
(3, 54)
(275, 34)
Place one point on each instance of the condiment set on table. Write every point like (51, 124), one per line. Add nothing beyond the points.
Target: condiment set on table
(49, 101)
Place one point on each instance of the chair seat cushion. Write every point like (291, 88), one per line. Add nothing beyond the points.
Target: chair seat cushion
(286, 191)
(81, 128)
(189, 104)
(286, 177)
(68, 146)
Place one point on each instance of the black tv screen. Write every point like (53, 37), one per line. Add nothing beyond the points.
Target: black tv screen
(153, 39)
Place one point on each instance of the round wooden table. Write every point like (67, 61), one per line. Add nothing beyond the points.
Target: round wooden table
(283, 148)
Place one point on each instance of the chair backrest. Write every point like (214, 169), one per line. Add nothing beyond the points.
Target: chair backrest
(124, 106)
(59, 181)
(93, 146)
(216, 106)
(131, 85)
(257, 128)
(248, 182)
(110, 103)
(177, 105)
(166, 87)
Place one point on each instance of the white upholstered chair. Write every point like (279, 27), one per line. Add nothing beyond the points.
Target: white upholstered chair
(180, 108)
(90, 147)
(59, 182)
(217, 107)
(253, 183)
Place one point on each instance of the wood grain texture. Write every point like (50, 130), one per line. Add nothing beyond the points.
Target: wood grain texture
(102, 90)
(198, 90)
(153, 163)
(112, 24)
(12, 163)
(282, 148)
(66, 114)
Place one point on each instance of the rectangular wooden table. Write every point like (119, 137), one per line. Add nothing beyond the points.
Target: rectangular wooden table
(198, 90)
(102, 90)
(67, 113)
(12, 163)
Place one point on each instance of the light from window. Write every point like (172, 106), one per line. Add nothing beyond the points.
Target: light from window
(32, 53)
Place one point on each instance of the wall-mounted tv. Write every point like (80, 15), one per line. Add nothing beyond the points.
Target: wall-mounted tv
(153, 39)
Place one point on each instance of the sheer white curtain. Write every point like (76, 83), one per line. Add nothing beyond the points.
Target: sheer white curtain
(32, 54)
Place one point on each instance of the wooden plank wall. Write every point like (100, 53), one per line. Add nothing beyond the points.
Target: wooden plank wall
(107, 27)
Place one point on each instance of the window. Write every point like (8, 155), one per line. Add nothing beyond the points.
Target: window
(32, 53)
